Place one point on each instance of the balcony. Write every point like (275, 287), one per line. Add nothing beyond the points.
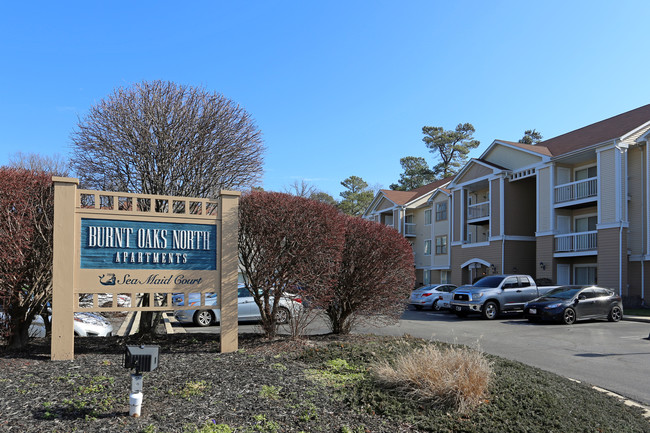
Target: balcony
(477, 213)
(576, 193)
(409, 229)
(583, 243)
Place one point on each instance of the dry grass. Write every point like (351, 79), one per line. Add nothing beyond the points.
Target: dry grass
(456, 377)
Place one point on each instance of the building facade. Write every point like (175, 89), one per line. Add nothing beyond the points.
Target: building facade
(574, 209)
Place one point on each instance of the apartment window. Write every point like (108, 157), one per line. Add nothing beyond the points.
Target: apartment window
(427, 247)
(586, 173)
(585, 275)
(445, 277)
(426, 277)
(427, 217)
(441, 211)
(586, 224)
(441, 245)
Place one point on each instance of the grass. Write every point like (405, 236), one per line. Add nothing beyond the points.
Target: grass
(637, 312)
(454, 377)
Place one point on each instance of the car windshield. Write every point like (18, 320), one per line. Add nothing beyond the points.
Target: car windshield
(489, 282)
(563, 292)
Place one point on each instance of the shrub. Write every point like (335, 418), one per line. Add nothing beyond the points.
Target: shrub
(26, 227)
(375, 278)
(456, 377)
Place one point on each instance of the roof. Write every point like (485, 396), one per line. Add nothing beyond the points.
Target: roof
(535, 148)
(404, 197)
(599, 132)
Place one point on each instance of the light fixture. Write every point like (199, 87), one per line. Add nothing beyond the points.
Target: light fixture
(542, 265)
(494, 268)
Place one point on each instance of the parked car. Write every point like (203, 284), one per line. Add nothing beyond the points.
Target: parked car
(85, 325)
(567, 304)
(434, 296)
(247, 308)
(494, 294)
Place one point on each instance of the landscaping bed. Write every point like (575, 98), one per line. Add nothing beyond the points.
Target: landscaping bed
(322, 384)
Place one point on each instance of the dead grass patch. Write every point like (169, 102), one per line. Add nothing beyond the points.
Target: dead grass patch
(455, 377)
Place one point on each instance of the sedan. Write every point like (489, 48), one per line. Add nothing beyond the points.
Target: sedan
(434, 296)
(85, 325)
(567, 304)
(247, 308)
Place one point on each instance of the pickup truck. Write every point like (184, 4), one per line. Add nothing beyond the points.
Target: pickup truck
(494, 294)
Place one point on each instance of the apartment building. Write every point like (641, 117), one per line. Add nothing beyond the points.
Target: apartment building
(422, 216)
(574, 209)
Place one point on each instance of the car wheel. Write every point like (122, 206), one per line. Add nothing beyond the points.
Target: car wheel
(490, 310)
(569, 316)
(282, 316)
(615, 314)
(435, 306)
(203, 318)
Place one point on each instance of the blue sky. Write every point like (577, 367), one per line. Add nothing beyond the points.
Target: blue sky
(338, 88)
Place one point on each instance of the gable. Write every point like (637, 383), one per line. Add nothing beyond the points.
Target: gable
(384, 204)
(510, 157)
(474, 171)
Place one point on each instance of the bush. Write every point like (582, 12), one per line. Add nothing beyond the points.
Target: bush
(455, 377)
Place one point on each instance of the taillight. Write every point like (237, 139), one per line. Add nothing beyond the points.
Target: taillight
(426, 294)
(440, 297)
(298, 300)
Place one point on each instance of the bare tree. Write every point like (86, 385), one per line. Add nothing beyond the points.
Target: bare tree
(55, 164)
(301, 188)
(163, 138)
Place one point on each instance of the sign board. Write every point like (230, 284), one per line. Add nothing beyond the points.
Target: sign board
(135, 244)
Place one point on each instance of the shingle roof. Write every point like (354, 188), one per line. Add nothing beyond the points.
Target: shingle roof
(598, 132)
(403, 197)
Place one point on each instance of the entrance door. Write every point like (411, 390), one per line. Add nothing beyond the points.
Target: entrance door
(563, 274)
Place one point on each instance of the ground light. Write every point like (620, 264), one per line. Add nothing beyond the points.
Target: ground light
(142, 358)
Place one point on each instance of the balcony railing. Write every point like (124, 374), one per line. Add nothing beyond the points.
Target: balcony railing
(576, 190)
(575, 242)
(479, 210)
(409, 229)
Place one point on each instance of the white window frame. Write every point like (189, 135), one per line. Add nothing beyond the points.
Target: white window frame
(427, 221)
(427, 252)
(585, 167)
(446, 245)
(445, 277)
(442, 203)
(585, 216)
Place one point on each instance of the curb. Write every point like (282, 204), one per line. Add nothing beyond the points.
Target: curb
(645, 319)
(626, 401)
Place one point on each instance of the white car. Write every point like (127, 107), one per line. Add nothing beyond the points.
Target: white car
(247, 308)
(85, 325)
(434, 296)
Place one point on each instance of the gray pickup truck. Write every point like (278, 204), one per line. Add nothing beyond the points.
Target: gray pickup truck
(494, 294)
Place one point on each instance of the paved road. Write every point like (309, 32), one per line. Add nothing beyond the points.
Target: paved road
(614, 356)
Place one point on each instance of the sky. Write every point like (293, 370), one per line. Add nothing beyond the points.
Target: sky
(338, 88)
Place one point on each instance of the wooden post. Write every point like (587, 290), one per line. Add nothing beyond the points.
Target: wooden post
(64, 264)
(228, 257)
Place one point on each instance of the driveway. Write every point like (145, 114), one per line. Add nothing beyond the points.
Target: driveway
(614, 356)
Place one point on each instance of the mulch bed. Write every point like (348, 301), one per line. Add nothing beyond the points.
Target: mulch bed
(193, 384)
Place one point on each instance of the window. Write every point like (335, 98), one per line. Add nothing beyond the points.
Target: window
(441, 211)
(586, 224)
(441, 245)
(426, 277)
(586, 173)
(445, 278)
(585, 275)
(427, 247)
(427, 217)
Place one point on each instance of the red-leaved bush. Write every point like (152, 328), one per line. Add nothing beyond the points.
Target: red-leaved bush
(26, 227)
(376, 276)
(288, 244)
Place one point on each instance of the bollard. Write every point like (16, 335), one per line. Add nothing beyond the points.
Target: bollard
(135, 402)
